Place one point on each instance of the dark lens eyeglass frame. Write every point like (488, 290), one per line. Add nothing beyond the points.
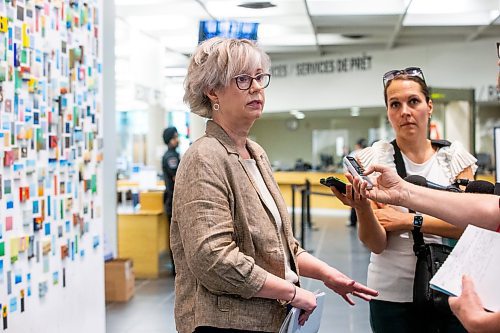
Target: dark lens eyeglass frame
(409, 71)
(265, 76)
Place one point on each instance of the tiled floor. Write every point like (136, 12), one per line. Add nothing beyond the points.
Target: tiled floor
(151, 308)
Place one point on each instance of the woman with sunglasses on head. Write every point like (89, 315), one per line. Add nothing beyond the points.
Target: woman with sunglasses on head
(385, 229)
(231, 235)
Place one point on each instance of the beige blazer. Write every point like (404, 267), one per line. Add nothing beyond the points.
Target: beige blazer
(223, 238)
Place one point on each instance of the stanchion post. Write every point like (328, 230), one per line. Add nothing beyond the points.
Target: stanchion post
(303, 193)
(308, 203)
(294, 187)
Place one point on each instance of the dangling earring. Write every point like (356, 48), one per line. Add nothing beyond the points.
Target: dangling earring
(216, 107)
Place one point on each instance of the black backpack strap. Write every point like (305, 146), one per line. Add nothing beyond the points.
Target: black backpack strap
(398, 159)
(418, 237)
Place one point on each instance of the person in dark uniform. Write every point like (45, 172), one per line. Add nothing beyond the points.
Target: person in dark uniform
(169, 163)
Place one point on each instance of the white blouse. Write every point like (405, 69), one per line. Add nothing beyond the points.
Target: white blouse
(392, 271)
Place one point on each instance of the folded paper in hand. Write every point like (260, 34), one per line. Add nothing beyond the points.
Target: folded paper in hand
(476, 255)
(291, 323)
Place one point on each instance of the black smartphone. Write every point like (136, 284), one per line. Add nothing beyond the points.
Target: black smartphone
(498, 50)
(335, 182)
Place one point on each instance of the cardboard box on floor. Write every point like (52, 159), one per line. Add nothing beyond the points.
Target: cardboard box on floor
(119, 280)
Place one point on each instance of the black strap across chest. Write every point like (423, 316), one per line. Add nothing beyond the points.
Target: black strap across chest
(418, 237)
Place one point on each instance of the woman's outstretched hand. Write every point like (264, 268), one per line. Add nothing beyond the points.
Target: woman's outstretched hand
(345, 286)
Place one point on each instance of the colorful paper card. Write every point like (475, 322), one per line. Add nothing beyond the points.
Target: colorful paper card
(46, 264)
(42, 289)
(13, 305)
(9, 282)
(14, 249)
(7, 186)
(31, 241)
(23, 243)
(18, 278)
(46, 247)
(8, 223)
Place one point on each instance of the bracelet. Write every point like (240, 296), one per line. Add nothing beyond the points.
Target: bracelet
(285, 303)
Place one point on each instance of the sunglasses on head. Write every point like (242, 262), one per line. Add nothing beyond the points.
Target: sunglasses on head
(409, 71)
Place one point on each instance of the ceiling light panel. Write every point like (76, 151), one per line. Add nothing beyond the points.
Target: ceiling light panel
(184, 43)
(338, 39)
(119, 3)
(283, 40)
(166, 16)
(451, 12)
(162, 22)
(267, 30)
(359, 7)
(230, 9)
(452, 6)
(173, 22)
(357, 21)
(471, 19)
(286, 26)
(172, 7)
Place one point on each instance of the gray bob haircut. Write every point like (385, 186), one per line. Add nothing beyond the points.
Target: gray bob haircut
(213, 65)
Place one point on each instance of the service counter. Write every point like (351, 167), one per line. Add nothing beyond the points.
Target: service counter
(286, 179)
(142, 237)
(143, 234)
(489, 178)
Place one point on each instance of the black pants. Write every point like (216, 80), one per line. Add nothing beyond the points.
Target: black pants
(392, 317)
(206, 329)
(353, 217)
(169, 218)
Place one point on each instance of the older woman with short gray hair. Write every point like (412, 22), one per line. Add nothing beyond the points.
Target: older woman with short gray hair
(238, 264)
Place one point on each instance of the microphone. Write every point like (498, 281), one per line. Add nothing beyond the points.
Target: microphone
(421, 181)
(480, 186)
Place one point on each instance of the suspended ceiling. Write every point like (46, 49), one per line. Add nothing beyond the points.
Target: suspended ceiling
(319, 27)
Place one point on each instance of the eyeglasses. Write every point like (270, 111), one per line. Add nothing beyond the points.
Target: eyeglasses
(410, 71)
(244, 81)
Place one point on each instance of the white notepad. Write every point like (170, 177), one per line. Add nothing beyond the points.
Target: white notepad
(291, 323)
(477, 254)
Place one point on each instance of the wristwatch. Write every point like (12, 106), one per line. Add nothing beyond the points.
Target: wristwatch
(418, 220)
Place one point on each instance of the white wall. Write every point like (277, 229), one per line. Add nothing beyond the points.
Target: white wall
(109, 123)
(140, 85)
(457, 65)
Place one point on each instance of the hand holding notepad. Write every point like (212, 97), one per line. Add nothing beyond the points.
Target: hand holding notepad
(291, 322)
(476, 255)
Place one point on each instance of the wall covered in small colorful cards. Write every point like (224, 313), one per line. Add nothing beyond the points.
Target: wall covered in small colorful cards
(51, 266)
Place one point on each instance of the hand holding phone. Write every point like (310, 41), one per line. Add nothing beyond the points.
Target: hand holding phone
(335, 182)
(356, 170)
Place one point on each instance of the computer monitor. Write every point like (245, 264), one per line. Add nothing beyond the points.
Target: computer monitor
(230, 29)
